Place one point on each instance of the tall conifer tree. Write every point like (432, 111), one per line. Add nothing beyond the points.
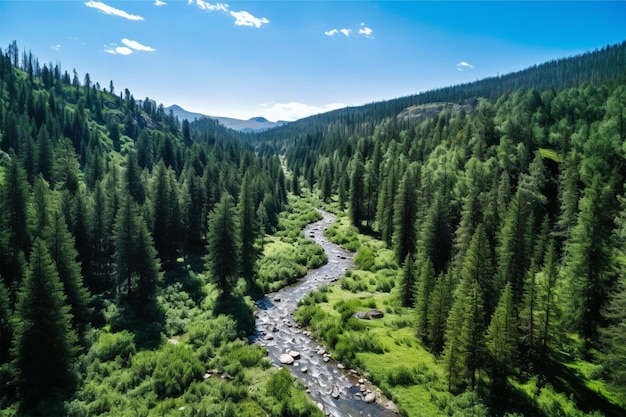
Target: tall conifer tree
(43, 320)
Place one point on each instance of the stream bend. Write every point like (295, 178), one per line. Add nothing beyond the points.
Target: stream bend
(335, 390)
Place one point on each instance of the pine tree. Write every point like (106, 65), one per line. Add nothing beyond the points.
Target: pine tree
(60, 244)
(407, 282)
(547, 307)
(248, 228)
(587, 266)
(146, 266)
(501, 340)
(6, 330)
(43, 320)
(613, 339)
(357, 193)
(405, 215)
(124, 232)
(423, 299)
(478, 266)
(463, 352)
(165, 223)
(439, 306)
(223, 256)
(41, 203)
(14, 223)
(528, 307)
(513, 248)
(435, 237)
(135, 186)
(472, 334)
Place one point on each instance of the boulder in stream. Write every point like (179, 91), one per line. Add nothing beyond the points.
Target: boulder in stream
(286, 359)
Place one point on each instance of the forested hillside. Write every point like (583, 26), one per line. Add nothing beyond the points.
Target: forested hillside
(488, 220)
(505, 217)
(120, 228)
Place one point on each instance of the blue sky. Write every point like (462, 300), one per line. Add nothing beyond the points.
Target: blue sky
(289, 59)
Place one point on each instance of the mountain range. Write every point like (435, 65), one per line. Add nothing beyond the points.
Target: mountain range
(253, 125)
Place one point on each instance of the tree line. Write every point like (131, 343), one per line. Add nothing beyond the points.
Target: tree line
(507, 217)
(101, 196)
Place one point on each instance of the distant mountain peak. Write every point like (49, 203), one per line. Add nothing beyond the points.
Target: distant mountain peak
(255, 124)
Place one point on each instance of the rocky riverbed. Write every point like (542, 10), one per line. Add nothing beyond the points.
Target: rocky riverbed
(336, 390)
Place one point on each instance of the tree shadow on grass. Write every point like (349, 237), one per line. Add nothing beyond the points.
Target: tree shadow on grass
(236, 307)
(570, 382)
(563, 380)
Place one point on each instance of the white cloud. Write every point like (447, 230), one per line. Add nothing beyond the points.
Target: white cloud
(365, 31)
(463, 65)
(56, 47)
(159, 3)
(293, 110)
(137, 46)
(117, 50)
(205, 5)
(333, 32)
(106, 9)
(244, 18)
(129, 48)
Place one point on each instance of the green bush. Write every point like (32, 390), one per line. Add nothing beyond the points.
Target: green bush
(364, 258)
(402, 375)
(113, 345)
(176, 368)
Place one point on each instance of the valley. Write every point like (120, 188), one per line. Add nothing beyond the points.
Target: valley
(452, 253)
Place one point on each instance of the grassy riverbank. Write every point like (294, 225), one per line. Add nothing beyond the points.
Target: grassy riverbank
(196, 361)
(389, 353)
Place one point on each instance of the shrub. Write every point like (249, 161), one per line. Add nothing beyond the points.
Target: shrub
(401, 375)
(176, 368)
(364, 258)
(113, 345)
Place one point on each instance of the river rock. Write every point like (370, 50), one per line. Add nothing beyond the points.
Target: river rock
(321, 352)
(370, 314)
(370, 398)
(294, 354)
(304, 370)
(335, 393)
(286, 359)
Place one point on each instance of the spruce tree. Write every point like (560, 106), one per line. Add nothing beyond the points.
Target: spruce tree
(44, 347)
(587, 277)
(547, 306)
(407, 282)
(223, 246)
(15, 218)
(501, 340)
(6, 330)
(439, 305)
(60, 244)
(248, 228)
(478, 266)
(425, 284)
(357, 193)
(405, 215)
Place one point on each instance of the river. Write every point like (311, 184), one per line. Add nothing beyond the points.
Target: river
(335, 390)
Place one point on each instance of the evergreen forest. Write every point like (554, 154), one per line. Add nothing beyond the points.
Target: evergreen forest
(488, 222)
